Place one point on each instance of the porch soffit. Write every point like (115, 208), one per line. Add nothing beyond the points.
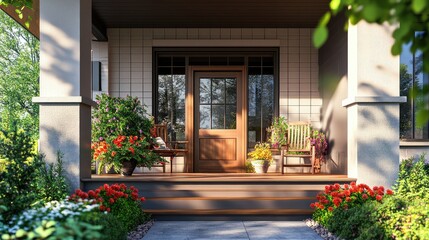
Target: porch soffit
(209, 13)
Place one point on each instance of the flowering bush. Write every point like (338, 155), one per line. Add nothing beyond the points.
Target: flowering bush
(278, 132)
(117, 199)
(345, 197)
(261, 152)
(114, 116)
(319, 141)
(124, 148)
(121, 130)
(50, 220)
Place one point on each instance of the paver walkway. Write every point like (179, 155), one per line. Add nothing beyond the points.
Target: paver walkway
(245, 230)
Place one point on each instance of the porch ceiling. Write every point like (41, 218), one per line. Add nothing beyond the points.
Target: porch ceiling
(209, 13)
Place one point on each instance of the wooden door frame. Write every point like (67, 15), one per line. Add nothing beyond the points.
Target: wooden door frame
(189, 108)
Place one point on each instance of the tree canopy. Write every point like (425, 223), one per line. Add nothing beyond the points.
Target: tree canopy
(19, 75)
(408, 17)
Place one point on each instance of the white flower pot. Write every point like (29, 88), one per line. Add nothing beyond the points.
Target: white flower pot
(260, 166)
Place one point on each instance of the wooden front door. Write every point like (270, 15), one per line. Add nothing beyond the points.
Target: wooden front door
(219, 121)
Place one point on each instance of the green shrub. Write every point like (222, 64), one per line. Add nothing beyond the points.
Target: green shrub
(51, 181)
(344, 197)
(357, 223)
(17, 185)
(413, 179)
(122, 204)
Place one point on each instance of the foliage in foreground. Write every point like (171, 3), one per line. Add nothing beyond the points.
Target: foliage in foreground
(108, 212)
(25, 178)
(406, 16)
(403, 215)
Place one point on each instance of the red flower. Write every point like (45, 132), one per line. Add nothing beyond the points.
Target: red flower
(348, 199)
(112, 201)
(389, 192)
(379, 197)
(131, 150)
(312, 205)
(364, 196)
(330, 209)
(108, 209)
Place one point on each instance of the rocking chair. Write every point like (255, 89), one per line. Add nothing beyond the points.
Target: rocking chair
(298, 146)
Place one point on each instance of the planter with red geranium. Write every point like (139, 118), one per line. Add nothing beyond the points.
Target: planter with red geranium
(121, 136)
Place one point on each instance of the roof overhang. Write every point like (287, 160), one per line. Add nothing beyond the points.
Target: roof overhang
(193, 14)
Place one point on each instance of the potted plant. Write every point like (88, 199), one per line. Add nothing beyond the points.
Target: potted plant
(320, 143)
(261, 157)
(278, 132)
(121, 134)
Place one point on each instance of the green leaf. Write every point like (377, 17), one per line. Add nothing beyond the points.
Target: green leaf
(396, 48)
(320, 36)
(20, 233)
(418, 5)
(422, 117)
(335, 5)
(371, 12)
(325, 19)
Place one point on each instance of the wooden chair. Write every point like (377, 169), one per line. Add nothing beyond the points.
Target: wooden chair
(298, 145)
(172, 148)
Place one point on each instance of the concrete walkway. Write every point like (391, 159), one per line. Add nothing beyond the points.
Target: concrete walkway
(245, 230)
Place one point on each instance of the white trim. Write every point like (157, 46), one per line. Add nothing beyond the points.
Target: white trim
(216, 43)
(414, 143)
(356, 100)
(61, 100)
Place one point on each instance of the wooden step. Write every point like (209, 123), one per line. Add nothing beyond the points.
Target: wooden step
(231, 212)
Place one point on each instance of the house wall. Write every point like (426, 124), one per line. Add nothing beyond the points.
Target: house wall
(333, 85)
(130, 63)
(413, 149)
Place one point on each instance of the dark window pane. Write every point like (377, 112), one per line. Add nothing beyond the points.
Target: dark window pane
(199, 61)
(218, 90)
(268, 70)
(179, 61)
(164, 70)
(236, 61)
(164, 61)
(254, 71)
(179, 70)
(218, 116)
(231, 90)
(216, 61)
(205, 90)
(231, 117)
(171, 104)
(255, 61)
(205, 116)
(267, 61)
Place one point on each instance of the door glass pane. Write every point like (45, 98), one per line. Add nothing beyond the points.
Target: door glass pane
(218, 90)
(205, 90)
(218, 103)
(218, 116)
(231, 117)
(205, 116)
(231, 90)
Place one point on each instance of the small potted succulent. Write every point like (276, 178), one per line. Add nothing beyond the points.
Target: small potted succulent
(261, 157)
(121, 134)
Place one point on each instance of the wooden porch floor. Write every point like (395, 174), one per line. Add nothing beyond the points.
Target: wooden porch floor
(222, 177)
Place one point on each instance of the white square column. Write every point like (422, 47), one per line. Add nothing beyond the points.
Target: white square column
(372, 105)
(65, 85)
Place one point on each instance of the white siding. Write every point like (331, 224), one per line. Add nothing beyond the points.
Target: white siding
(131, 59)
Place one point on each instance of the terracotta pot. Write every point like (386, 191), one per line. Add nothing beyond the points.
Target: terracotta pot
(128, 167)
(261, 166)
